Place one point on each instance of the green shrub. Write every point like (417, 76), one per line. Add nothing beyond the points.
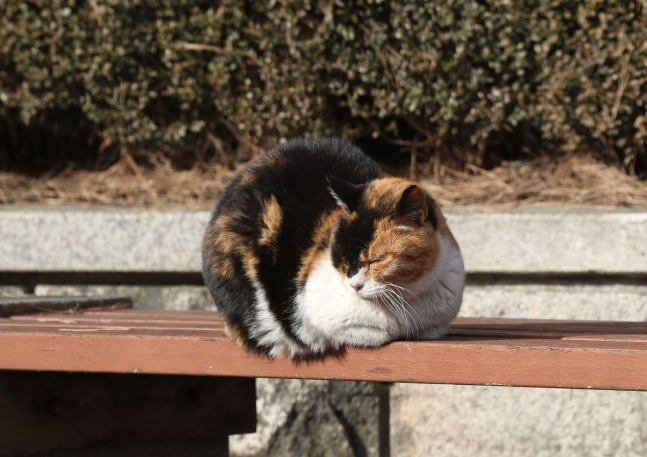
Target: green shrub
(469, 81)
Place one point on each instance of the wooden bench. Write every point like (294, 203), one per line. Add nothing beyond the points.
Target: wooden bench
(62, 382)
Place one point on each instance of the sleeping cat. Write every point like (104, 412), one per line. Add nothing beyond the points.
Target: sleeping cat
(312, 247)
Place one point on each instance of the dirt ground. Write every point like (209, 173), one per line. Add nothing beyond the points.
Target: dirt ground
(574, 181)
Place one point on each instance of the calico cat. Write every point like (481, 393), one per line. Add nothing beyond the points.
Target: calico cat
(312, 247)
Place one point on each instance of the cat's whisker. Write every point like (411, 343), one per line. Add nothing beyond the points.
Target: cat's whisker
(399, 303)
(417, 315)
(397, 292)
(404, 304)
(397, 311)
(381, 299)
(402, 288)
(386, 304)
(402, 297)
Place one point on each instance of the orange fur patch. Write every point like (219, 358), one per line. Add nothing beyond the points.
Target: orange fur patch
(221, 245)
(236, 335)
(221, 263)
(385, 192)
(320, 242)
(400, 253)
(271, 219)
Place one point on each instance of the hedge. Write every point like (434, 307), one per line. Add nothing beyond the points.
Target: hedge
(468, 81)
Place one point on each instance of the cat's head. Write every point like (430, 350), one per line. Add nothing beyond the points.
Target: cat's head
(386, 234)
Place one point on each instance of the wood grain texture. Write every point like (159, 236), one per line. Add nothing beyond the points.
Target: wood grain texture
(509, 352)
(41, 412)
(29, 305)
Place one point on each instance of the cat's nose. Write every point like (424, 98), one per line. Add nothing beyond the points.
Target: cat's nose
(357, 287)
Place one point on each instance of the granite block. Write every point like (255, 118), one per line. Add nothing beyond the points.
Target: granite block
(558, 241)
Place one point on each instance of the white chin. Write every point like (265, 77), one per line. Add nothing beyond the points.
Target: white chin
(369, 293)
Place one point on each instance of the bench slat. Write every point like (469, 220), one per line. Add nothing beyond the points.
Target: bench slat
(539, 353)
(14, 306)
(549, 325)
(145, 314)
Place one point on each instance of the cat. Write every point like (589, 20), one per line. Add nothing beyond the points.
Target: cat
(313, 247)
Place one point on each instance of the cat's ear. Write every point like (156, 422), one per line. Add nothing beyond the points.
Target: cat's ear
(346, 194)
(412, 208)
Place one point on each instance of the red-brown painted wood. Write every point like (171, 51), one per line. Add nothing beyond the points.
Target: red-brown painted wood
(540, 353)
(13, 306)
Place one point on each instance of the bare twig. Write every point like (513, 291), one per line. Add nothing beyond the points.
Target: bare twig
(622, 85)
(197, 46)
(412, 170)
(239, 136)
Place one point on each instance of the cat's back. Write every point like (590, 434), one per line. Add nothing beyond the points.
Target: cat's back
(299, 168)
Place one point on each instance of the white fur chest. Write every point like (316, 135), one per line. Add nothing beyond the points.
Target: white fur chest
(330, 313)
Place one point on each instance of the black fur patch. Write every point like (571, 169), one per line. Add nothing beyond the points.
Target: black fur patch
(431, 214)
(348, 193)
(234, 297)
(353, 237)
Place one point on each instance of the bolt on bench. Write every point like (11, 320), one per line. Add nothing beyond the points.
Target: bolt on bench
(112, 375)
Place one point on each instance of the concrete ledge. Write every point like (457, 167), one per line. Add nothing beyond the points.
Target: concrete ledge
(541, 241)
(97, 239)
(553, 241)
